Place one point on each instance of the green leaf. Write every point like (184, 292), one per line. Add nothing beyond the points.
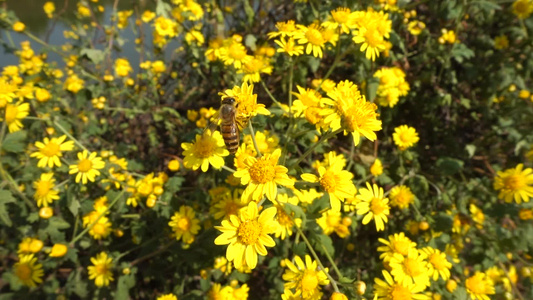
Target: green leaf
(372, 87)
(125, 283)
(487, 5)
(449, 166)
(95, 55)
(15, 142)
(5, 197)
(471, 149)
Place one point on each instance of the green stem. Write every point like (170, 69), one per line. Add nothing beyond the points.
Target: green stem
(322, 139)
(253, 138)
(8, 35)
(228, 169)
(70, 136)
(270, 94)
(79, 236)
(333, 66)
(523, 25)
(333, 264)
(333, 282)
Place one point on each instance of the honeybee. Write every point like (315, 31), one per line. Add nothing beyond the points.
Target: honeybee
(228, 124)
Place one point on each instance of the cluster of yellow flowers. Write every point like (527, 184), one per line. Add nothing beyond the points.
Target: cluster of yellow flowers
(392, 86)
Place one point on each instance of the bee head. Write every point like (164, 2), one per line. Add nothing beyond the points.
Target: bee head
(229, 100)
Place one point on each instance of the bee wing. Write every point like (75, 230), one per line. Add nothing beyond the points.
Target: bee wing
(214, 121)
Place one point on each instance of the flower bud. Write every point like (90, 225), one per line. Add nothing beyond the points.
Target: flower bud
(58, 250)
(360, 287)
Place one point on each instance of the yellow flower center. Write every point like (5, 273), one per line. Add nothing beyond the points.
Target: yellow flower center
(23, 272)
(184, 224)
(99, 229)
(43, 187)
(237, 52)
(328, 181)
(401, 247)
(50, 149)
(309, 281)
(354, 117)
(312, 114)
(231, 208)
(372, 37)
(11, 113)
(400, 292)
(284, 219)
(437, 261)
(249, 231)
(85, 165)
(314, 37)
(514, 182)
(476, 285)
(204, 147)
(101, 269)
(406, 136)
(341, 15)
(412, 267)
(262, 171)
(521, 6)
(377, 206)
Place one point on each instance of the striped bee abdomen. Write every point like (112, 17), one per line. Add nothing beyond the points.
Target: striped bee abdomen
(230, 134)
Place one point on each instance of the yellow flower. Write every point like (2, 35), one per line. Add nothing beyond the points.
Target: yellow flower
(101, 229)
(246, 101)
(477, 215)
(285, 221)
(14, 113)
(336, 182)
(209, 148)
(331, 221)
(376, 168)
(343, 19)
(289, 46)
(514, 184)
(410, 269)
(392, 86)
(184, 224)
(122, 67)
(73, 83)
(437, 265)
(46, 212)
(348, 109)
(306, 278)
(42, 95)
(165, 27)
(234, 54)
(397, 243)
(401, 196)
(405, 137)
(247, 235)
(372, 29)
(167, 297)
(501, 42)
(373, 205)
(451, 285)
(49, 9)
(147, 16)
(254, 67)
(44, 190)
(522, 8)
(19, 26)
(218, 293)
(50, 150)
(100, 271)
(262, 175)
(266, 142)
(58, 250)
(28, 270)
(415, 27)
(226, 204)
(7, 91)
(30, 245)
(285, 29)
(393, 290)
(87, 167)
(312, 37)
(448, 36)
(174, 165)
(479, 286)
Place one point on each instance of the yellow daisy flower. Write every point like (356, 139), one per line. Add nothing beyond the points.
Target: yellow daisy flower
(101, 229)
(30, 245)
(58, 250)
(289, 46)
(122, 67)
(285, 222)
(235, 54)
(227, 204)
(100, 271)
(87, 167)
(373, 205)
(437, 265)
(514, 184)
(522, 8)
(336, 182)
(331, 221)
(410, 269)
(208, 149)
(247, 235)
(50, 150)
(348, 109)
(285, 29)
(253, 68)
(311, 36)
(28, 270)
(405, 137)
(372, 42)
(389, 289)
(184, 224)
(397, 243)
(44, 190)
(165, 27)
(262, 175)
(306, 278)
(376, 168)
(342, 18)
(246, 101)
(479, 286)
(167, 297)
(401, 196)
(14, 113)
